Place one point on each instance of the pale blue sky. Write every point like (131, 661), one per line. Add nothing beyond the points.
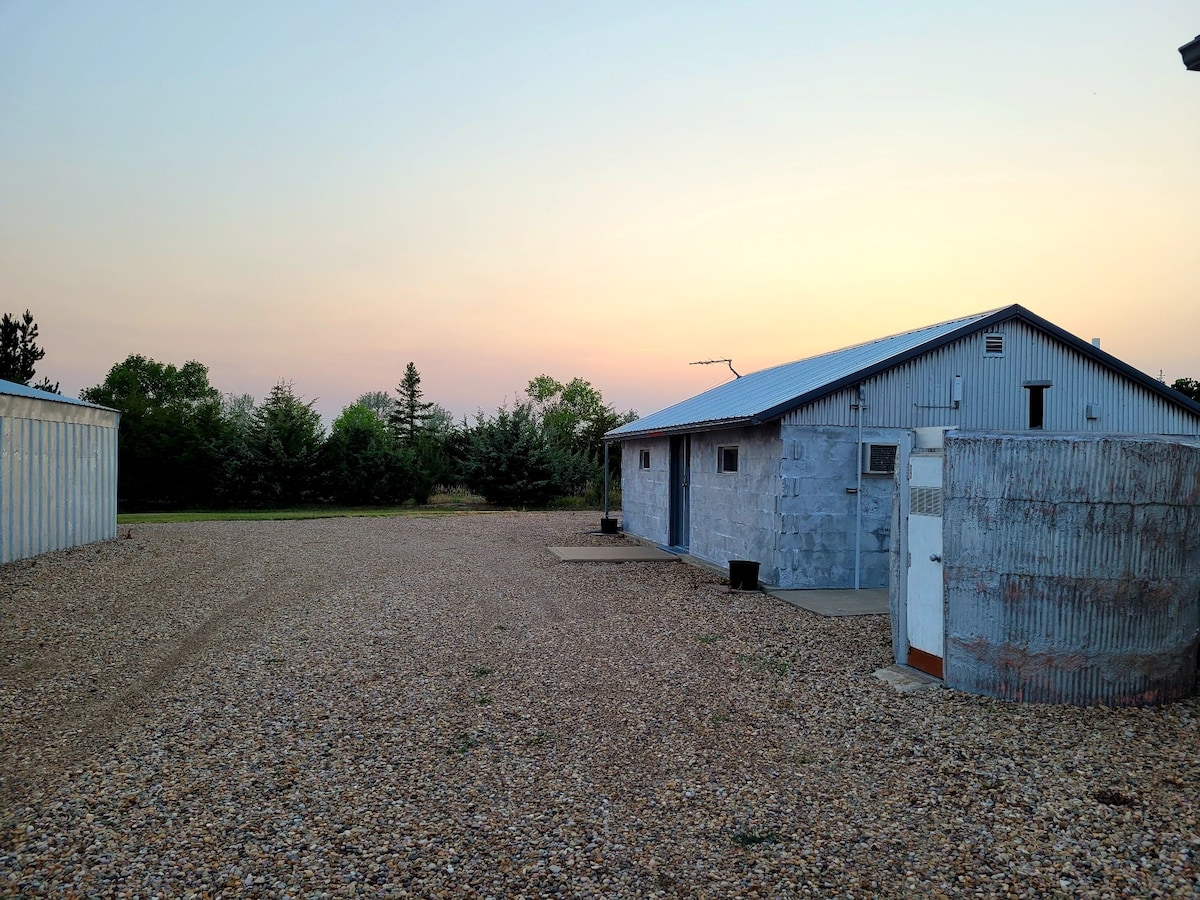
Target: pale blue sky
(321, 192)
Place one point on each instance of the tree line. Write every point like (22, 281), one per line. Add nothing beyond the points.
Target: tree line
(185, 445)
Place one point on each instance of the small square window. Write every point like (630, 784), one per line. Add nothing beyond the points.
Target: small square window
(644, 460)
(727, 459)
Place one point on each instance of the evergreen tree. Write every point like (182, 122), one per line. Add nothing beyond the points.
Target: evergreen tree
(409, 418)
(286, 439)
(509, 462)
(19, 352)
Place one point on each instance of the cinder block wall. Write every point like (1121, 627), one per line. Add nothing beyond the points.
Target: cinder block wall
(733, 514)
(817, 512)
(646, 493)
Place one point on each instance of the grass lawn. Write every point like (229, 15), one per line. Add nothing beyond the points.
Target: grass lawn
(321, 512)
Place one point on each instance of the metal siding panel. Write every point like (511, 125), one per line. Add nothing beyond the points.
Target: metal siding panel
(5, 491)
(917, 394)
(58, 484)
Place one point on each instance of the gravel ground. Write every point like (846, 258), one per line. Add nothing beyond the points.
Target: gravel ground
(434, 706)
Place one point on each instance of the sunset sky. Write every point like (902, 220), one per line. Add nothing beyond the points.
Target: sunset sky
(321, 192)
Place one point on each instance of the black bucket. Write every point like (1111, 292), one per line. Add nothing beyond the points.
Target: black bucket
(608, 526)
(743, 575)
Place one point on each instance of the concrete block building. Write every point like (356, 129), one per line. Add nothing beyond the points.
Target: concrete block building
(794, 466)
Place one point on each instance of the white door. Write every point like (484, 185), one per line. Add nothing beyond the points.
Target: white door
(926, 614)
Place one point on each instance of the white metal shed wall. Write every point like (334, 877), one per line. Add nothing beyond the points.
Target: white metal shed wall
(918, 393)
(58, 475)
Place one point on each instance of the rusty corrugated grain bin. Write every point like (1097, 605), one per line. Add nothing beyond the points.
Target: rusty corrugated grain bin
(1072, 568)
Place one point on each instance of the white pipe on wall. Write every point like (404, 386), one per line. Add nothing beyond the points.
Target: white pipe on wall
(858, 495)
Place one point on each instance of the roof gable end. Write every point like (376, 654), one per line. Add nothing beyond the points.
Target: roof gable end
(771, 393)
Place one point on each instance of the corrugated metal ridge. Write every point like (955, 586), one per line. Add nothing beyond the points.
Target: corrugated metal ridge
(14, 389)
(752, 403)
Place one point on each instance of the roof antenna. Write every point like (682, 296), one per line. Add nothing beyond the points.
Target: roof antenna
(709, 362)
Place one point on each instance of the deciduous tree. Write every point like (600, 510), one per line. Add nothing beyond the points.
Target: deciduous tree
(574, 419)
(381, 403)
(1189, 387)
(359, 459)
(170, 450)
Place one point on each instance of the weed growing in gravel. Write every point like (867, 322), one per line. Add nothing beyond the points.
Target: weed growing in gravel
(481, 672)
(709, 638)
(483, 699)
(748, 837)
(464, 742)
(762, 664)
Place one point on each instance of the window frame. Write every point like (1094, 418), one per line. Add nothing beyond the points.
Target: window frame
(722, 459)
(1035, 401)
(644, 460)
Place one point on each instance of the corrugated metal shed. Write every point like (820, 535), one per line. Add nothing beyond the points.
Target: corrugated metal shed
(58, 472)
(771, 393)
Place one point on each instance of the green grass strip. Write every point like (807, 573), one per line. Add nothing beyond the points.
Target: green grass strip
(266, 515)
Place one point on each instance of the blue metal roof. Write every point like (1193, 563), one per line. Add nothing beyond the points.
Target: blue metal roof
(21, 390)
(770, 393)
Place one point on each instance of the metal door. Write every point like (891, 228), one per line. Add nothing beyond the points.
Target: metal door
(681, 473)
(926, 618)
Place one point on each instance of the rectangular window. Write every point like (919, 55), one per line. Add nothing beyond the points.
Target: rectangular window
(1037, 408)
(1037, 403)
(727, 459)
(644, 462)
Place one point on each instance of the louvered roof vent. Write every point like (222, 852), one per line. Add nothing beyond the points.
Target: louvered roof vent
(993, 345)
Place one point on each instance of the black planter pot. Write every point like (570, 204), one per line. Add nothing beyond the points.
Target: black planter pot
(743, 575)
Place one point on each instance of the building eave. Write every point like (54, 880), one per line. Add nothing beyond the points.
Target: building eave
(686, 428)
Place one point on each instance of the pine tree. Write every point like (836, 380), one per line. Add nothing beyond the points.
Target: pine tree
(19, 352)
(411, 414)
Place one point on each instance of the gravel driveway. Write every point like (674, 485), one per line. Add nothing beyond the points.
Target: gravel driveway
(435, 706)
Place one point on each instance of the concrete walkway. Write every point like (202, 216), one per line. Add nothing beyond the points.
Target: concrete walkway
(871, 602)
(612, 554)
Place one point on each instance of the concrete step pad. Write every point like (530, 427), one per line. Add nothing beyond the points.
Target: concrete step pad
(612, 554)
(872, 602)
(906, 680)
